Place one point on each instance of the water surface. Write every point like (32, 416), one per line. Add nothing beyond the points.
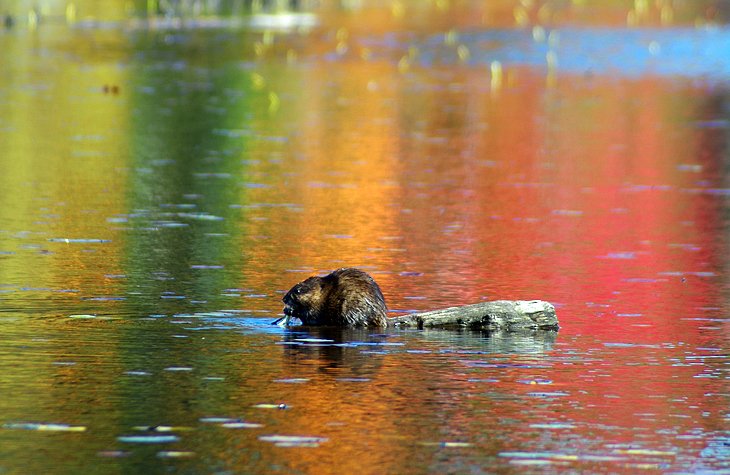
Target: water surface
(162, 189)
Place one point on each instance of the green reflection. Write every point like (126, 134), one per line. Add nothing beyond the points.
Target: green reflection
(190, 125)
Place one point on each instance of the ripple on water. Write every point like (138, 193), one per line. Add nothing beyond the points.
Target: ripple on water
(148, 439)
(293, 440)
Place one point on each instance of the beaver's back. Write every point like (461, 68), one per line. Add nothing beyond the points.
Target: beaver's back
(345, 298)
(353, 299)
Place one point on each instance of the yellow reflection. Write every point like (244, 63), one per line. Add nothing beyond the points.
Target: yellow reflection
(64, 168)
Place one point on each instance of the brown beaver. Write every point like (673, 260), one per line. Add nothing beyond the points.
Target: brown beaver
(345, 298)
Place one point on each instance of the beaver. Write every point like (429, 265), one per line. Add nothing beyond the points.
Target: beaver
(346, 297)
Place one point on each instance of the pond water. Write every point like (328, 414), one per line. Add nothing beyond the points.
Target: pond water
(163, 187)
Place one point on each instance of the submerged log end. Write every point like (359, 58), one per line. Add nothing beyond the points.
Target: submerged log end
(510, 315)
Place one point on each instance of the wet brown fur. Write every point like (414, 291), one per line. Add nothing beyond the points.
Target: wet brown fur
(345, 298)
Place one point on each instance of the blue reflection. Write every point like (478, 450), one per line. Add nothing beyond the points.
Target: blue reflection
(688, 52)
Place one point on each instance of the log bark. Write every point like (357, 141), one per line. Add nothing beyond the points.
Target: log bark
(505, 315)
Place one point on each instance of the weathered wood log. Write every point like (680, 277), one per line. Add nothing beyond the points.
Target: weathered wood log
(507, 315)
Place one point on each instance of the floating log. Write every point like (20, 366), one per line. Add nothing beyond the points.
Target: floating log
(505, 315)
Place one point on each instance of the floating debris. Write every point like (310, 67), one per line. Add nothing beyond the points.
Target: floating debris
(178, 368)
(82, 316)
(292, 380)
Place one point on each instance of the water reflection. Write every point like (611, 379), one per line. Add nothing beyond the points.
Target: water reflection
(162, 188)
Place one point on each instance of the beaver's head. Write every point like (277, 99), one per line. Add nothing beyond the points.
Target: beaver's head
(304, 300)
